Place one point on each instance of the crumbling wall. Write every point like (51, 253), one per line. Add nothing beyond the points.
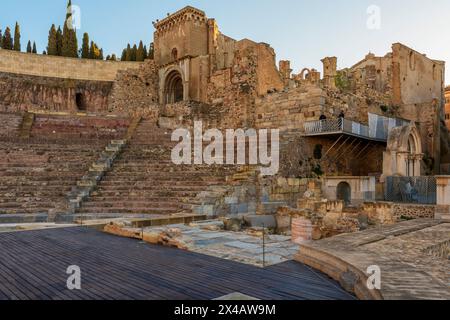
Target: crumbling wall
(31, 93)
(135, 92)
(290, 109)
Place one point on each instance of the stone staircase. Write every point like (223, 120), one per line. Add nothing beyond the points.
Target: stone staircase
(143, 179)
(35, 176)
(10, 124)
(97, 171)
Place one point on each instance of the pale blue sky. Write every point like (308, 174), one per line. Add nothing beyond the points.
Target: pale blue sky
(303, 31)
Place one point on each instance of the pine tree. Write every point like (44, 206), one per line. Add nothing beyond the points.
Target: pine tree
(52, 47)
(69, 38)
(124, 55)
(17, 46)
(113, 57)
(140, 52)
(34, 48)
(101, 57)
(85, 47)
(7, 41)
(29, 47)
(59, 41)
(1, 39)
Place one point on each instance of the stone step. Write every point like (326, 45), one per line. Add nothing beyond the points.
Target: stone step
(26, 210)
(146, 210)
(132, 204)
(149, 194)
(134, 198)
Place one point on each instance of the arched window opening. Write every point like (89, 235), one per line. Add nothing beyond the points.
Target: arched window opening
(174, 54)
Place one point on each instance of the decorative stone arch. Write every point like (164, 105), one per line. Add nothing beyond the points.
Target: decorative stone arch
(174, 87)
(404, 152)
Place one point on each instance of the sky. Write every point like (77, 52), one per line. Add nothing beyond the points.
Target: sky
(303, 31)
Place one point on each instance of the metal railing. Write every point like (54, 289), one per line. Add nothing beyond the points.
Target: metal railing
(338, 126)
(378, 128)
(420, 190)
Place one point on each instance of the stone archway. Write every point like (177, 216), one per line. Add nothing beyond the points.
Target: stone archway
(404, 153)
(174, 87)
(344, 192)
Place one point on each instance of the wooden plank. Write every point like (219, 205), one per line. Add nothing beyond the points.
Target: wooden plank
(119, 268)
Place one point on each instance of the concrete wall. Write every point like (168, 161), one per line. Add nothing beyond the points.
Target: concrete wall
(61, 67)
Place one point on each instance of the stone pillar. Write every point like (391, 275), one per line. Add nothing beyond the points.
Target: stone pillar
(443, 197)
(329, 71)
(285, 71)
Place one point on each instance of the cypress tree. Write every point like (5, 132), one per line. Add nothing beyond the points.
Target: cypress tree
(34, 48)
(134, 53)
(140, 52)
(145, 52)
(69, 38)
(1, 38)
(124, 55)
(29, 47)
(129, 53)
(7, 41)
(151, 51)
(52, 47)
(17, 46)
(85, 48)
(101, 57)
(59, 41)
(113, 57)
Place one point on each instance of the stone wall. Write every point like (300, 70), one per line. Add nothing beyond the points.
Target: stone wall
(135, 92)
(289, 110)
(20, 92)
(61, 67)
(386, 213)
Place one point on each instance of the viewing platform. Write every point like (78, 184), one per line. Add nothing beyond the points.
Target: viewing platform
(344, 127)
(377, 130)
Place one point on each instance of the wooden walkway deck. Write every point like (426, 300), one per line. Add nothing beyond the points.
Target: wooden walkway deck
(33, 266)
